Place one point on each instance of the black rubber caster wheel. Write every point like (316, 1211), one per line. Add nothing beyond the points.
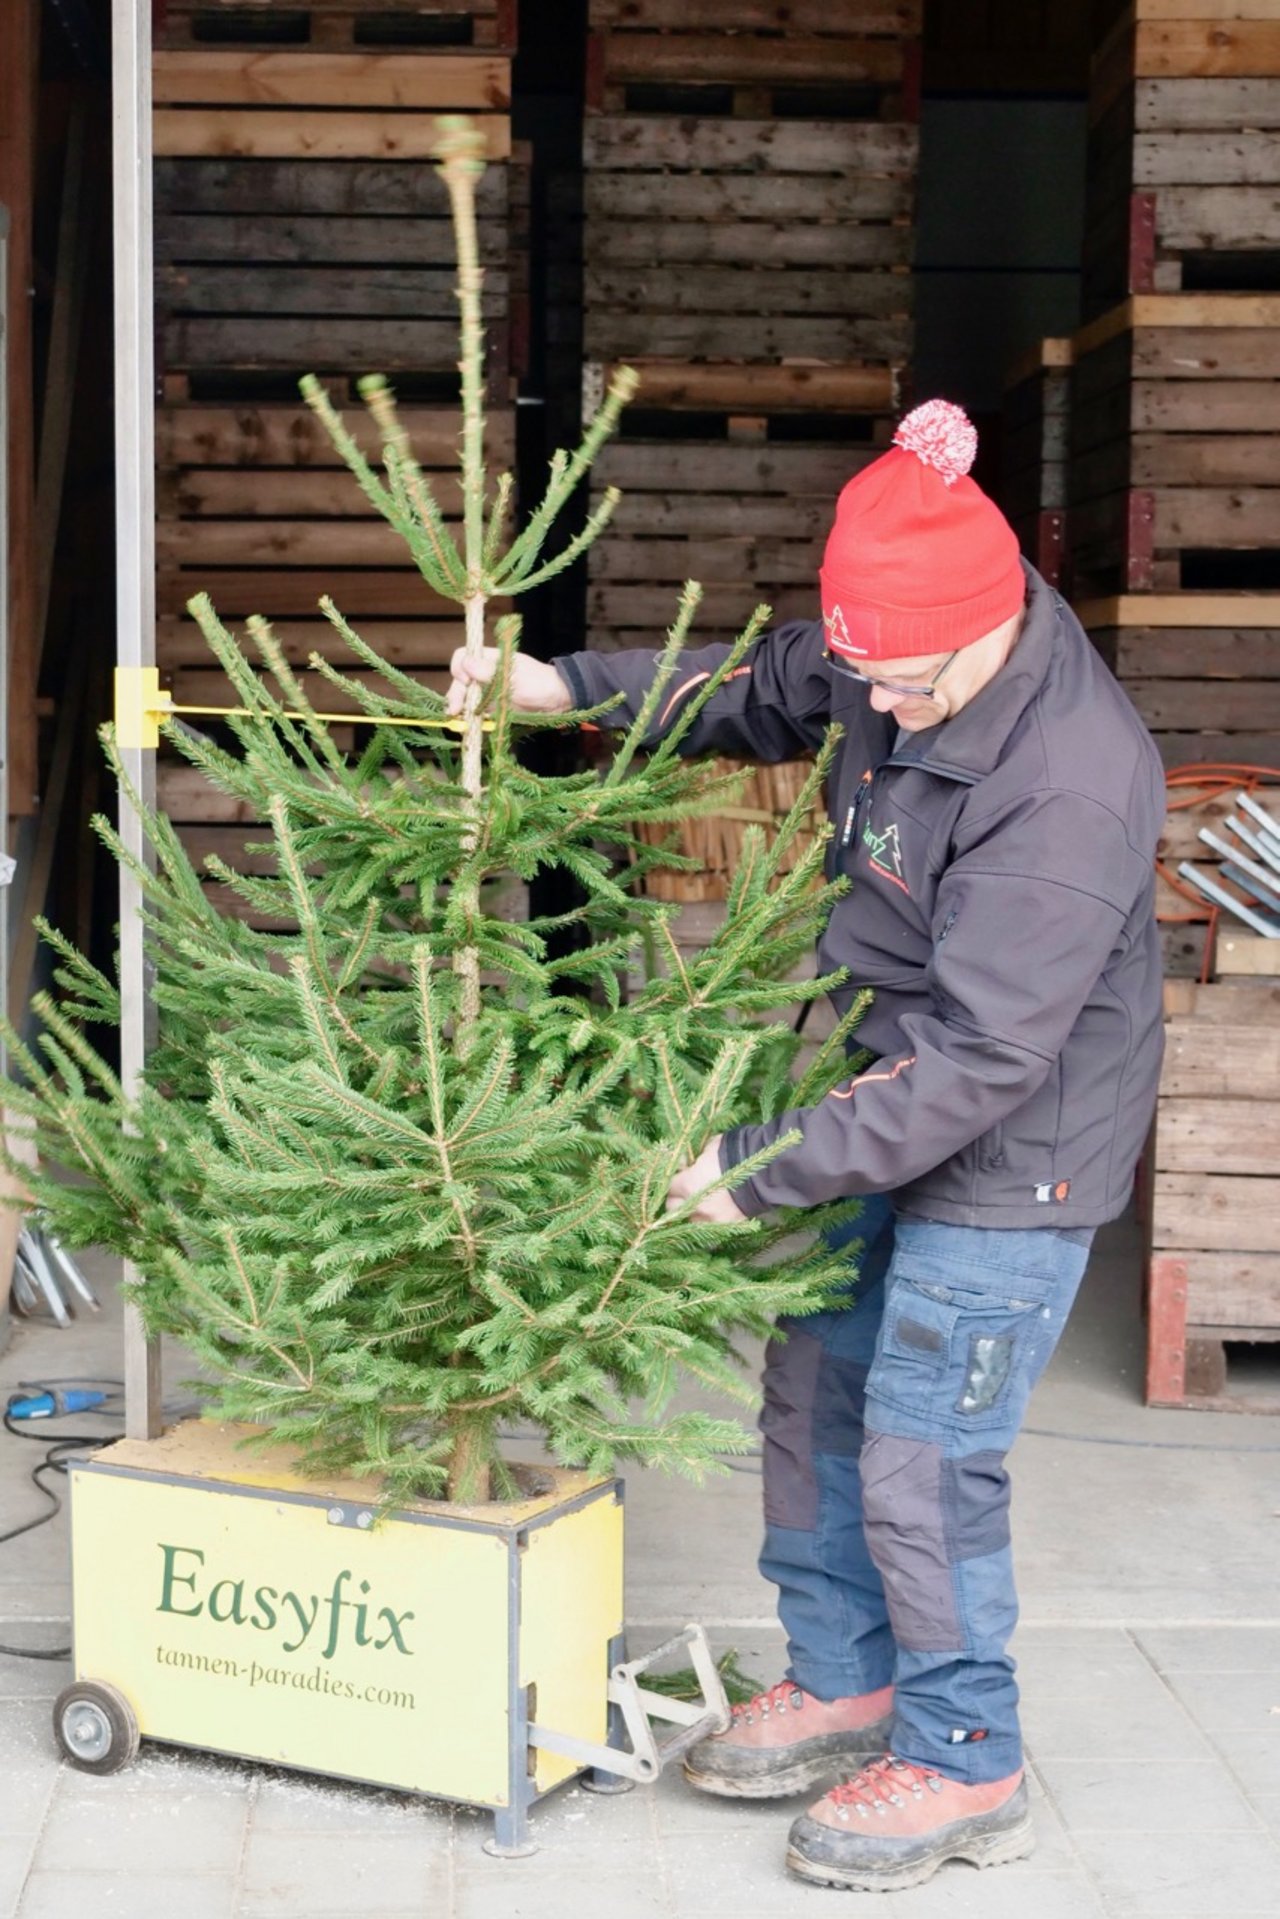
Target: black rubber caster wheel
(95, 1727)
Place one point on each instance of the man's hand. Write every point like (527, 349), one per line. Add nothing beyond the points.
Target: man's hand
(535, 686)
(720, 1209)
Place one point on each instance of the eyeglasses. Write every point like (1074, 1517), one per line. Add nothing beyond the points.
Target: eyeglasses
(892, 686)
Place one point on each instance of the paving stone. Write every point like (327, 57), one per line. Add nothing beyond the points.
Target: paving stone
(1019, 1891)
(15, 1858)
(299, 1874)
(1189, 1875)
(193, 1832)
(26, 1738)
(1227, 1702)
(1254, 1758)
(1065, 1662)
(24, 1794)
(1144, 1795)
(165, 1772)
(1132, 1720)
(284, 1803)
(1211, 1648)
(127, 1895)
(1268, 1810)
(517, 1895)
(33, 1678)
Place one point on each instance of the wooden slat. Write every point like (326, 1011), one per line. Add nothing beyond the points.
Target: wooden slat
(723, 605)
(184, 793)
(281, 593)
(346, 346)
(1205, 459)
(1227, 706)
(1198, 316)
(1236, 517)
(231, 844)
(282, 133)
(1199, 406)
(284, 543)
(405, 643)
(724, 336)
(669, 291)
(706, 560)
(306, 187)
(1227, 1002)
(1226, 106)
(1212, 1059)
(1233, 1289)
(613, 200)
(1247, 955)
(722, 515)
(739, 59)
(249, 493)
(665, 466)
(767, 389)
(264, 436)
(384, 291)
(738, 243)
(1220, 48)
(1206, 1135)
(199, 686)
(1216, 1213)
(1246, 158)
(900, 17)
(314, 239)
(455, 82)
(1181, 609)
(1214, 218)
(1204, 653)
(635, 142)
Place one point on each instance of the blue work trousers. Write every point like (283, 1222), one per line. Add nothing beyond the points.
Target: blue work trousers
(885, 1492)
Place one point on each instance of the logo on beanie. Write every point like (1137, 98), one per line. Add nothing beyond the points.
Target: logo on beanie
(838, 632)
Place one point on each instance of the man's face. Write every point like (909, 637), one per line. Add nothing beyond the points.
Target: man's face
(891, 688)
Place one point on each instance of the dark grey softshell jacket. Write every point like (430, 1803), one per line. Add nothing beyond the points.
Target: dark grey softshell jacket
(1002, 910)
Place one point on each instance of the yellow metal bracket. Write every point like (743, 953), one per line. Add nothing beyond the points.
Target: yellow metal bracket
(141, 703)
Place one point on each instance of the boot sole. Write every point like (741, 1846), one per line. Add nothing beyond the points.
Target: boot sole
(986, 1849)
(796, 1778)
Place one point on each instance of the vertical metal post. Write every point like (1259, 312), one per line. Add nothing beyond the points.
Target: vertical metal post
(135, 571)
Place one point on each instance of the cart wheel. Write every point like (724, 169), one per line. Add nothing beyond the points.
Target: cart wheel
(95, 1726)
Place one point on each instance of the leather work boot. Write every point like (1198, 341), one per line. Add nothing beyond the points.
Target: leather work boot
(894, 1824)
(785, 1740)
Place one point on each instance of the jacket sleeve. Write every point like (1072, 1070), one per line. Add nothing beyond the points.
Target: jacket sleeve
(773, 706)
(1026, 918)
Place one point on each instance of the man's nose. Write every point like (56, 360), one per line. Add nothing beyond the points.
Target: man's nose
(884, 701)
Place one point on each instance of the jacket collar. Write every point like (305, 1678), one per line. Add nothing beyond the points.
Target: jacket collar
(970, 745)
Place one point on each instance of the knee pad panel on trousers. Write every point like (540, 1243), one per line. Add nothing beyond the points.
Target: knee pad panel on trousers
(975, 1501)
(902, 1505)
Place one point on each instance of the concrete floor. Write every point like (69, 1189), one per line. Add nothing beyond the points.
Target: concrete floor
(1149, 1554)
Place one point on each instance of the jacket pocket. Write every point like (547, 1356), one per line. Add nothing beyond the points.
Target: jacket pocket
(991, 1149)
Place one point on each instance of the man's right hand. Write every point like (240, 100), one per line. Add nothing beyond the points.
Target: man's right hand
(535, 686)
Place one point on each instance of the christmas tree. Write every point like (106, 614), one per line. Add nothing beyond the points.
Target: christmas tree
(397, 1173)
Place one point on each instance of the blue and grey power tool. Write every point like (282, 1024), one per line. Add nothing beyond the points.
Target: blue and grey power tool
(52, 1403)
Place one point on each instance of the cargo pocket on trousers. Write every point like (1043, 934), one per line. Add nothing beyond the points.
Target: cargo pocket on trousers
(915, 1352)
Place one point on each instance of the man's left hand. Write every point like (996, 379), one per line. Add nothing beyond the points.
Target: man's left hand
(720, 1208)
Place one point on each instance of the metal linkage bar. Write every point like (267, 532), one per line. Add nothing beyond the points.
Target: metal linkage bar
(695, 1720)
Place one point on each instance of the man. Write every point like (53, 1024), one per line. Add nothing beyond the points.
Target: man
(996, 805)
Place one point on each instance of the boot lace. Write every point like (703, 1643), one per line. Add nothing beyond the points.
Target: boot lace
(881, 1785)
(786, 1694)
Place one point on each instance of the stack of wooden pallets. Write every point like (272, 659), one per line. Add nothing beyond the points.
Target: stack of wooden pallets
(1174, 516)
(1033, 454)
(748, 204)
(301, 227)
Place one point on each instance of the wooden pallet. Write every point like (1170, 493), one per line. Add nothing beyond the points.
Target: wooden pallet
(255, 508)
(1214, 1271)
(745, 516)
(331, 24)
(684, 56)
(759, 240)
(1175, 472)
(1033, 454)
(275, 177)
(1183, 157)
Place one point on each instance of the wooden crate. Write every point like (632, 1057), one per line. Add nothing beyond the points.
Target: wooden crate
(255, 508)
(1184, 163)
(758, 240)
(1214, 1272)
(683, 56)
(338, 23)
(276, 173)
(1175, 463)
(1033, 454)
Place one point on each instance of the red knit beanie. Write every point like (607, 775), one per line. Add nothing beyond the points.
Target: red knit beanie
(919, 559)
